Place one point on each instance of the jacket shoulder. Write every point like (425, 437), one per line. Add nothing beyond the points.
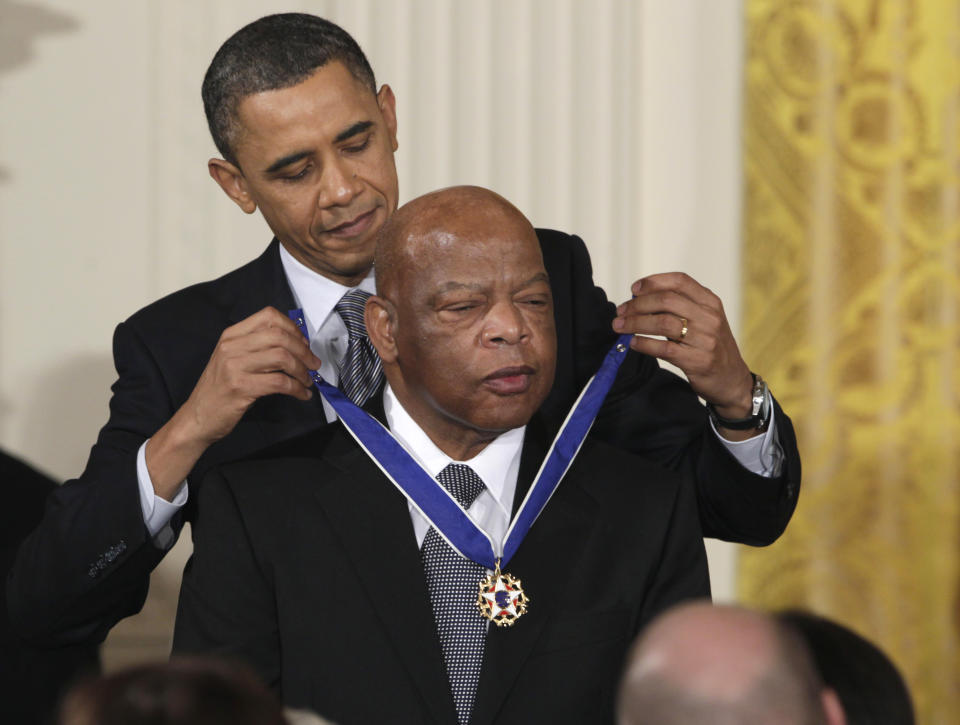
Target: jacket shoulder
(553, 240)
(608, 472)
(216, 297)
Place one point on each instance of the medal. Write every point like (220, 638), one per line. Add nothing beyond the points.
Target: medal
(501, 599)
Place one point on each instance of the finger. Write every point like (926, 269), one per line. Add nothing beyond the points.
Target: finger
(268, 317)
(268, 338)
(691, 360)
(673, 327)
(277, 359)
(660, 301)
(677, 282)
(260, 385)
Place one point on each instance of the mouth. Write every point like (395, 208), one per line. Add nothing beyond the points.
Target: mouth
(355, 227)
(510, 381)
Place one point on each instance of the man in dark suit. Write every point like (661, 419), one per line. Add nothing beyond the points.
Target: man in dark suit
(217, 371)
(308, 563)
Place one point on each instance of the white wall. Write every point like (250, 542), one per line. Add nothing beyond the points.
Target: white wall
(614, 119)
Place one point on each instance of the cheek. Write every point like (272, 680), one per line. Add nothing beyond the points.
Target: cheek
(379, 171)
(295, 216)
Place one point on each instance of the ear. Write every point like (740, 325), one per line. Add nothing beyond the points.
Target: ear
(388, 107)
(832, 707)
(233, 183)
(380, 318)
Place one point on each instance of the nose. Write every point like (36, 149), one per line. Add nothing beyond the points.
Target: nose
(504, 325)
(339, 183)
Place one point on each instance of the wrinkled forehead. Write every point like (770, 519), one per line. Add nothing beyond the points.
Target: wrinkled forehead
(481, 257)
(477, 244)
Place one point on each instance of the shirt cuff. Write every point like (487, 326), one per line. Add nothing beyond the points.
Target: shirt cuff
(761, 454)
(157, 512)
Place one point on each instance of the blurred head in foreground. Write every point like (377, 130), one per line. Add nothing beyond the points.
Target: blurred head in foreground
(869, 686)
(179, 692)
(700, 663)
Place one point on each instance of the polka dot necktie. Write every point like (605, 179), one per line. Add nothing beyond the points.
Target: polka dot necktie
(360, 370)
(453, 582)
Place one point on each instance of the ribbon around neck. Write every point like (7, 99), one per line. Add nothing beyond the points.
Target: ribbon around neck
(434, 502)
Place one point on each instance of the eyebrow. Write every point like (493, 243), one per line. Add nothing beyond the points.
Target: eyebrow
(296, 156)
(448, 286)
(287, 160)
(358, 127)
(538, 277)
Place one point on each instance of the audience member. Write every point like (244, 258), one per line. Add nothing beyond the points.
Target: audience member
(869, 686)
(723, 665)
(31, 678)
(188, 691)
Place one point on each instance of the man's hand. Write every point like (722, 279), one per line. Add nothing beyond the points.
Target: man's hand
(261, 355)
(707, 354)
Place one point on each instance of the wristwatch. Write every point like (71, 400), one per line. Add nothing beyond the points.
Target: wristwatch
(759, 414)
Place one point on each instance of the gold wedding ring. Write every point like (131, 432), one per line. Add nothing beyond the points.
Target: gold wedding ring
(683, 327)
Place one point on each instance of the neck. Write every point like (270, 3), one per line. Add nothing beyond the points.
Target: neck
(460, 450)
(346, 278)
(455, 438)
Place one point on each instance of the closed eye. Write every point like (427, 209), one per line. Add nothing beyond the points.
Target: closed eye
(358, 147)
(540, 300)
(299, 175)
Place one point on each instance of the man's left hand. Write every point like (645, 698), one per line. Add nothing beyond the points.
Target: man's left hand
(707, 353)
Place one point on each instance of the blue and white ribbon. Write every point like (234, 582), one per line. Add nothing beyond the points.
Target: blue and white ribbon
(434, 502)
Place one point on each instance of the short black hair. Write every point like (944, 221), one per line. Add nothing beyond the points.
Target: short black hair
(276, 51)
(870, 687)
(183, 691)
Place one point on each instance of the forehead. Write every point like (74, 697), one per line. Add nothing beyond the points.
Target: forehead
(478, 258)
(312, 111)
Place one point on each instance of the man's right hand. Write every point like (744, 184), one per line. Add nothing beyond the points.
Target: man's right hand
(261, 355)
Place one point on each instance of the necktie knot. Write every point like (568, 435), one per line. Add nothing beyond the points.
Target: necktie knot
(462, 482)
(350, 308)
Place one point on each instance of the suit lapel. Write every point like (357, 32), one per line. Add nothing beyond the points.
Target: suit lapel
(265, 285)
(279, 416)
(372, 520)
(549, 551)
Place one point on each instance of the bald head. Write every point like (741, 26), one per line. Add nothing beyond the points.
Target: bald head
(724, 665)
(463, 316)
(434, 222)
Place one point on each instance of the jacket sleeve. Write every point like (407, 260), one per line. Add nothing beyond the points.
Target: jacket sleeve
(227, 604)
(655, 414)
(88, 563)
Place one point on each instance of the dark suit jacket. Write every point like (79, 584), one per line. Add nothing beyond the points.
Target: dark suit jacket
(32, 679)
(92, 545)
(306, 566)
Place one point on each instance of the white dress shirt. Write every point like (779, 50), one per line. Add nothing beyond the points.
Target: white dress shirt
(316, 296)
(497, 465)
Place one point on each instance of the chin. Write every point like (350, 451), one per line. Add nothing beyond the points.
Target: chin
(504, 418)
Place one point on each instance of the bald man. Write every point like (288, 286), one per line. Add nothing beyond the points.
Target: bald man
(314, 567)
(723, 665)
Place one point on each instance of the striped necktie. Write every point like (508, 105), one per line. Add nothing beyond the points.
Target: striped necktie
(360, 370)
(453, 583)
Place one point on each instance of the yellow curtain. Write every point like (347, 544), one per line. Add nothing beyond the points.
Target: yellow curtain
(852, 313)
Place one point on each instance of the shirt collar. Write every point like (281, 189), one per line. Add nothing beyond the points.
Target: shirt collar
(315, 294)
(493, 464)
